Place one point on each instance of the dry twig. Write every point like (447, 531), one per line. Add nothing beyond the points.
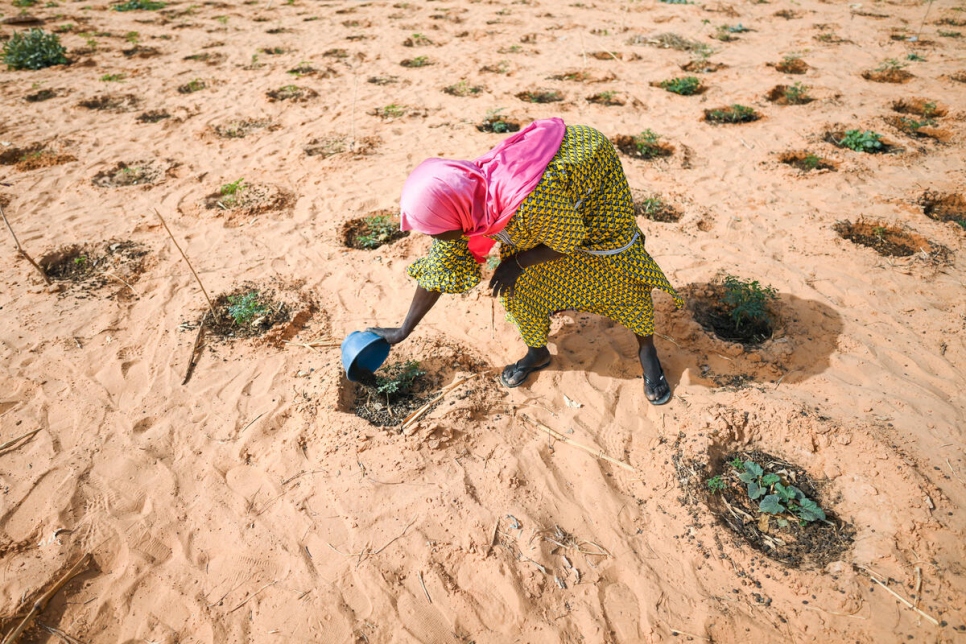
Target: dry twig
(21, 250)
(422, 411)
(930, 618)
(14, 441)
(44, 599)
(563, 439)
(194, 349)
(193, 272)
(419, 575)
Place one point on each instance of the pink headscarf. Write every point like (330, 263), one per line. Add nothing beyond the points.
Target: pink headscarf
(478, 197)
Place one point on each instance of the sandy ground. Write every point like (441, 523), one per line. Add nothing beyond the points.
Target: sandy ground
(252, 505)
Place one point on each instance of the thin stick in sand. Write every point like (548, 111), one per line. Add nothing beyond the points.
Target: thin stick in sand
(14, 441)
(419, 575)
(21, 250)
(44, 599)
(193, 272)
(932, 620)
(563, 439)
(192, 361)
(422, 411)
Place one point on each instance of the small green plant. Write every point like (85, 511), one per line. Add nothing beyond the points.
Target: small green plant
(950, 34)
(915, 57)
(737, 463)
(80, 259)
(731, 114)
(418, 61)
(398, 378)
(392, 110)
(685, 85)
(747, 301)
(139, 5)
(243, 309)
(132, 37)
(777, 498)
(231, 193)
(797, 94)
(112, 78)
(859, 141)
(810, 161)
(192, 86)
(650, 206)
(716, 483)
(222, 19)
(417, 40)
(302, 69)
(33, 49)
(890, 65)
(24, 3)
(463, 89)
(379, 230)
(648, 145)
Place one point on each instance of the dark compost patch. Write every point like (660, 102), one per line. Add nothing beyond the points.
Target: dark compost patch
(93, 266)
(887, 240)
(112, 102)
(780, 537)
(388, 409)
(944, 207)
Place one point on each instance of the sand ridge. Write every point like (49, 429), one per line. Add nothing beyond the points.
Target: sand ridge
(252, 505)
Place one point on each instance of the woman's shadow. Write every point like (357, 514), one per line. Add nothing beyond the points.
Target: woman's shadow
(804, 337)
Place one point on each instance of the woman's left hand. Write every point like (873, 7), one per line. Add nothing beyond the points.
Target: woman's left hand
(505, 277)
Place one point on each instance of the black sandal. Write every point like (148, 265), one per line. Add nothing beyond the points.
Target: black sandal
(516, 368)
(649, 387)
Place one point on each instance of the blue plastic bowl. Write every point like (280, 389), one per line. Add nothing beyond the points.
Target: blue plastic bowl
(363, 351)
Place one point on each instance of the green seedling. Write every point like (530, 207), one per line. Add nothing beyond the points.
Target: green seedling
(33, 49)
(463, 89)
(777, 498)
(80, 259)
(112, 78)
(139, 5)
(398, 378)
(231, 193)
(859, 141)
(192, 86)
(890, 65)
(418, 61)
(648, 145)
(132, 37)
(24, 3)
(392, 110)
(797, 94)
(685, 85)
(732, 114)
(915, 58)
(378, 230)
(737, 463)
(243, 309)
(716, 483)
(747, 301)
(811, 161)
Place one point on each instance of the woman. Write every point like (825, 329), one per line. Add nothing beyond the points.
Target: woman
(557, 200)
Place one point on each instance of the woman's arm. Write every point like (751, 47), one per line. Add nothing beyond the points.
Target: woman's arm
(423, 301)
(506, 274)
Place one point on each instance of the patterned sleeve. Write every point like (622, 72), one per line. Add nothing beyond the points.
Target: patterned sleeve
(449, 268)
(557, 220)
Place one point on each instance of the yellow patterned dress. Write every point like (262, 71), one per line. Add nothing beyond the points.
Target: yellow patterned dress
(582, 208)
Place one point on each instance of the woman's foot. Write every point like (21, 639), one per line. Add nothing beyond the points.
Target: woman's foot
(656, 387)
(517, 373)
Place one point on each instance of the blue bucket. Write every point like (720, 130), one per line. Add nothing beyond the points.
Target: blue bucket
(363, 351)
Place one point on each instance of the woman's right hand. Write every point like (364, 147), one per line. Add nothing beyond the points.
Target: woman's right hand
(390, 335)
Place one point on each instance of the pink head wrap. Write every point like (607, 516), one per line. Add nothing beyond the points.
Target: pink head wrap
(478, 197)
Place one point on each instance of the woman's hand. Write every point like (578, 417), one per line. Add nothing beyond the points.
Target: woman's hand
(505, 277)
(390, 335)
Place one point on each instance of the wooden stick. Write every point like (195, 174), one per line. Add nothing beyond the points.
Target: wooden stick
(194, 349)
(61, 634)
(44, 599)
(21, 250)
(419, 575)
(933, 620)
(193, 272)
(563, 439)
(422, 411)
(13, 441)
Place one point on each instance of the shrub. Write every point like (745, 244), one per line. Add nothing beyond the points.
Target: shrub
(33, 49)
(859, 141)
(747, 301)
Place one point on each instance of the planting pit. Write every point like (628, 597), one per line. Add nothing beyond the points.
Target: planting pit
(42, 95)
(498, 124)
(581, 76)
(292, 93)
(33, 157)
(709, 309)
(541, 96)
(89, 267)
(731, 114)
(328, 146)
(239, 129)
(887, 240)
(919, 107)
(835, 137)
(610, 99)
(944, 207)
(888, 75)
(642, 148)
(138, 173)
(153, 116)
(247, 311)
(388, 409)
(376, 229)
(791, 66)
(248, 201)
(781, 536)
(112, 103)
(702, 67)
(788, 95)
(655, 208)
(806, 161)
